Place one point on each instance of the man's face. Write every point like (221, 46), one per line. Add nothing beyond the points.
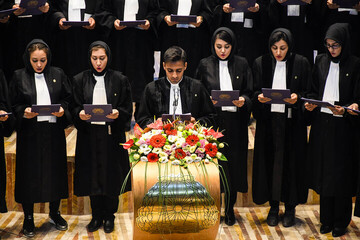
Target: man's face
(174, 70)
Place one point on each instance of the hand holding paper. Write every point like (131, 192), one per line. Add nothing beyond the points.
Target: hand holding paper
(83, 116)
(28, 114)
(3, 118)
(239, 103)
(263, 99)
(291, 100)
(60, 113)
(114, 115)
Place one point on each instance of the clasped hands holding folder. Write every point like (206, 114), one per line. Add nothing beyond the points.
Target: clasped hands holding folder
(292, 100)
(238, 103)
(29, 114)
(85, 117)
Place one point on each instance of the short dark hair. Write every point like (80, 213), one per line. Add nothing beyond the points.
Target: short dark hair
(277, 36)
(174, 54)
(225, 36)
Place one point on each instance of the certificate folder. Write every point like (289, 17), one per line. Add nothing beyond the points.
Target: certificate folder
(98, 112)
(5, 13)
(355, 111)
(32, 6)
(76, 23)
(346, 3)
(242, 5)
(5, 114)
(182, 117)
(183, 19)
(224, 98)
(132, 23)
(277, 95)
(293, 2)
(45, 110)
(317, 102)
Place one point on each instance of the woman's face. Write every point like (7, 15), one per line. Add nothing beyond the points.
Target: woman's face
(333, 47)
(222, 48)
(99, 59)
(279, 50)
(38, 60)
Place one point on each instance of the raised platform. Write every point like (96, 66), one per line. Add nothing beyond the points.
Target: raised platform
(81, 205)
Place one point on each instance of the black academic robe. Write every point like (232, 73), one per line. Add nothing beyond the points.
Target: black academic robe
(101, 163)
(280, 141)
(4, 5)
(234, 124)
(195, 41)
(251, 41)
(194, 99)
(41, 164)
(21, 30)
(132, 48)
(70, 47)
(300, 26)
(6, 129)
(331, 162)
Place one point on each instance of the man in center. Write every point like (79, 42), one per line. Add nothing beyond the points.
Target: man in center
(176, 92)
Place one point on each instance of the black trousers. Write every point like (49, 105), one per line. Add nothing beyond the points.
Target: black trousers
(28, 208)
(104, 207)
(335, 211)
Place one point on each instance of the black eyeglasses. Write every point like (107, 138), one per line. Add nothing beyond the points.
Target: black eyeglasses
(334, 46)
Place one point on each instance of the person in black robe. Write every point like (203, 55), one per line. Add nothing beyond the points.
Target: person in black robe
(4, 5)
(251, 29)
(41, 164)
(281, 130)
(336, 77)
(70, 43)
(101, 163)
(176, 93)
(233, 120)
(133, 46)
(6, 128)
(194, 39)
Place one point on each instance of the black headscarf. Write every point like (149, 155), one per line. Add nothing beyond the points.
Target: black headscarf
(108, 54)
(233, 43)
(26, 56)
(339, 32)
(289, 41)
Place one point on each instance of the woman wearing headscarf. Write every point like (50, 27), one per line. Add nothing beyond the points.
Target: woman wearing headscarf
(336, 77)
(6, 128)
(100, 161)
(223, 70)
(41, 165)
(281, 131)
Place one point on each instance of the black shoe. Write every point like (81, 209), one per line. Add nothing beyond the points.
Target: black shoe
(108, 225)
(273, 217)
(29, 226)
(325, 229)
(289, 218)
(59, 222)
(338, 231)
(94, 224)
(230, 217)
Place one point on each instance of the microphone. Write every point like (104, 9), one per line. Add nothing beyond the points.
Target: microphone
(176, 100)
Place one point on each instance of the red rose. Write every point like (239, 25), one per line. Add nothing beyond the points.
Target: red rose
(179, 153)
(171, 132)
(128, 144)
(192, 140)
(152, 157)
(157, 141)
(211, 149)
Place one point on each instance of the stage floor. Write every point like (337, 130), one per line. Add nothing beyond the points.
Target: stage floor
(251, 224)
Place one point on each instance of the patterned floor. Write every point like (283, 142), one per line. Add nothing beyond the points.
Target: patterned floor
(251, 224)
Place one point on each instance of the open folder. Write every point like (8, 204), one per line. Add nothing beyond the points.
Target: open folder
(45, 110)
(98, 112)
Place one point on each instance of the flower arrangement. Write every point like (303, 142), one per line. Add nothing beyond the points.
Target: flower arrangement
(175, 142)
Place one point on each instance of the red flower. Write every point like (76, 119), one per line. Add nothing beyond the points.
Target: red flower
(168, 126)
(128, 144)
(157, 141)
(211, 149)
(189, 126)
(192, 140)
(152, 157)
(212, 132)
(171, 132)
(158, 124)
(138, 131)
(179, 153)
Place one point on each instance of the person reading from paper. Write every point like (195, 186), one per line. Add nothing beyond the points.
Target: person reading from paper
(176, 93)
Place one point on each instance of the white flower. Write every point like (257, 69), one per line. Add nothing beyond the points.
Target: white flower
(221, 145)
(147, 151)
(156, 132)
(143, 146)
(178, 144)
(140, 151)
(144, 159)
(189, 160)
(181, 128)
(214, 144)
(218, 154)
(162, 154)
(163, 159)
(202, 150)
(157, 150)
(136, 156)
(167, 148)
(175, 162)
(198, 159)
(208, 157)
(192, 149)
(201, 135)
(172, 138)
(206, 161)
(179, 134)
(172, 158)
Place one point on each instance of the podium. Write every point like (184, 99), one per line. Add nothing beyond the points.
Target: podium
(172, 202)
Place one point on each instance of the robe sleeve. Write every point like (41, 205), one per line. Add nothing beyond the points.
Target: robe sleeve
(77, 100)
(207, 112)
(8, 125)
(146, 112)
(55, 13)
(65, 100)
(247, 88)
(258, 107)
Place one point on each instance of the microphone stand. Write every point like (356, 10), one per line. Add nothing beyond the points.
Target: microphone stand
(176, 101)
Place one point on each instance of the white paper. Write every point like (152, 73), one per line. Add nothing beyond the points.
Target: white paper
(293, 10)
(237, 17)
(248, 23)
